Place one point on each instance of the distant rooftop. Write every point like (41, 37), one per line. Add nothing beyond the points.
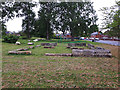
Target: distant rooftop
(95, 33)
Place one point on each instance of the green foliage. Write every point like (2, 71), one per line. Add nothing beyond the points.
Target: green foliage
(10, 38)
(4, 29)
(111, 20)
(73, 17)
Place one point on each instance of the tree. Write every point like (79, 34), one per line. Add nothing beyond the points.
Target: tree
(46, 15)
(20, 9)
(111, 20)
(73, 17)
(25, 9)
(79, 17)
(6, 14)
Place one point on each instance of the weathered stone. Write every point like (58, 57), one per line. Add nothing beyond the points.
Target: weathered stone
(91, 52)
(62, 54)
(30, 43)
(48, 47)
(31, 47)
(20, 52)
(22, 49)
(48, 44)
(17, 43)
(24, 52)
(68, 47)
(76, 44)
(37, 46)
(99, 48)
(35, 40)
(53, 44)
(77, 48)
(74, 47)
(12, 52)
(91, 46)
(71, 44)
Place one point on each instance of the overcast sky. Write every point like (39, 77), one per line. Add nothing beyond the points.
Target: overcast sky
(15, 24)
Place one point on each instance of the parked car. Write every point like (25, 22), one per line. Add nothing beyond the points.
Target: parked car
(97, 39)
(82, 38)
(91, 38)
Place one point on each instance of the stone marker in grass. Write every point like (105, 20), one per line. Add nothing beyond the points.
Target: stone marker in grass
(37, 46)
(76, 44)
(48, 47)
(31, 47)
(20, 52)
(91, 46)
(22, 49)
(17, 43)
(58, 54)
(30, 43)
(91, 53)
(68, 47)
(48, 44)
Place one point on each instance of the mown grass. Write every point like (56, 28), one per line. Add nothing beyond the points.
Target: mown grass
(40, 71)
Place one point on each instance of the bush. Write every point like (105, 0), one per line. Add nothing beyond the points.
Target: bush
(10, 38)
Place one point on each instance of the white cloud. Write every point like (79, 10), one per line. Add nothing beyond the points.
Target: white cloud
(14, 25)
(100, 4)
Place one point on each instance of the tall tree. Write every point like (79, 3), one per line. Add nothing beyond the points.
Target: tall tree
(7, 13)
(26, 9)
(20, 9)
(79, 17)
(46, 15)
(111, 20)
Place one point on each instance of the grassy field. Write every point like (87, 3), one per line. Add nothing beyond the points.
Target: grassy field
(40, 71)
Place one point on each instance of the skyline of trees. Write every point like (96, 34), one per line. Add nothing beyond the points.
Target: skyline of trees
(73, 17)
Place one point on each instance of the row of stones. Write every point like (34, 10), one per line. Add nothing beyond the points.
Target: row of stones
(84, 53)
(75, 52)
(92, 52)
(24, 50)
(90, 46)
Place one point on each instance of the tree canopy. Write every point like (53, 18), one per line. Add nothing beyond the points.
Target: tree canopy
(77, 18)
(111, 20)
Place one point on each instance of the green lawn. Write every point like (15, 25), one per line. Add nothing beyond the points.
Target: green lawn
(40, 71)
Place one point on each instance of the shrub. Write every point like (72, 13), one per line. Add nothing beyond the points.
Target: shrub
(10, 38)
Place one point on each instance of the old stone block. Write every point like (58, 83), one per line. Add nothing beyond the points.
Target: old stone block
(22, 49)
(91, 52)
(62, 54)
(68, 47)
(19, 52)
(30, 43)
(24, 52)
(17, 43)
(37, 46)
(71, 44)
(91, 46)
(48, 47)
(48, 44)
(74, 47)
(31, 47)
(99, 48)
(12, 52)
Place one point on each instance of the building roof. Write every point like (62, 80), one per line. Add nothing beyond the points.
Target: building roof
(94, 33)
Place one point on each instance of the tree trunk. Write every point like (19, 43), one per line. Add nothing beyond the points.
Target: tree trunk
(47, 33)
